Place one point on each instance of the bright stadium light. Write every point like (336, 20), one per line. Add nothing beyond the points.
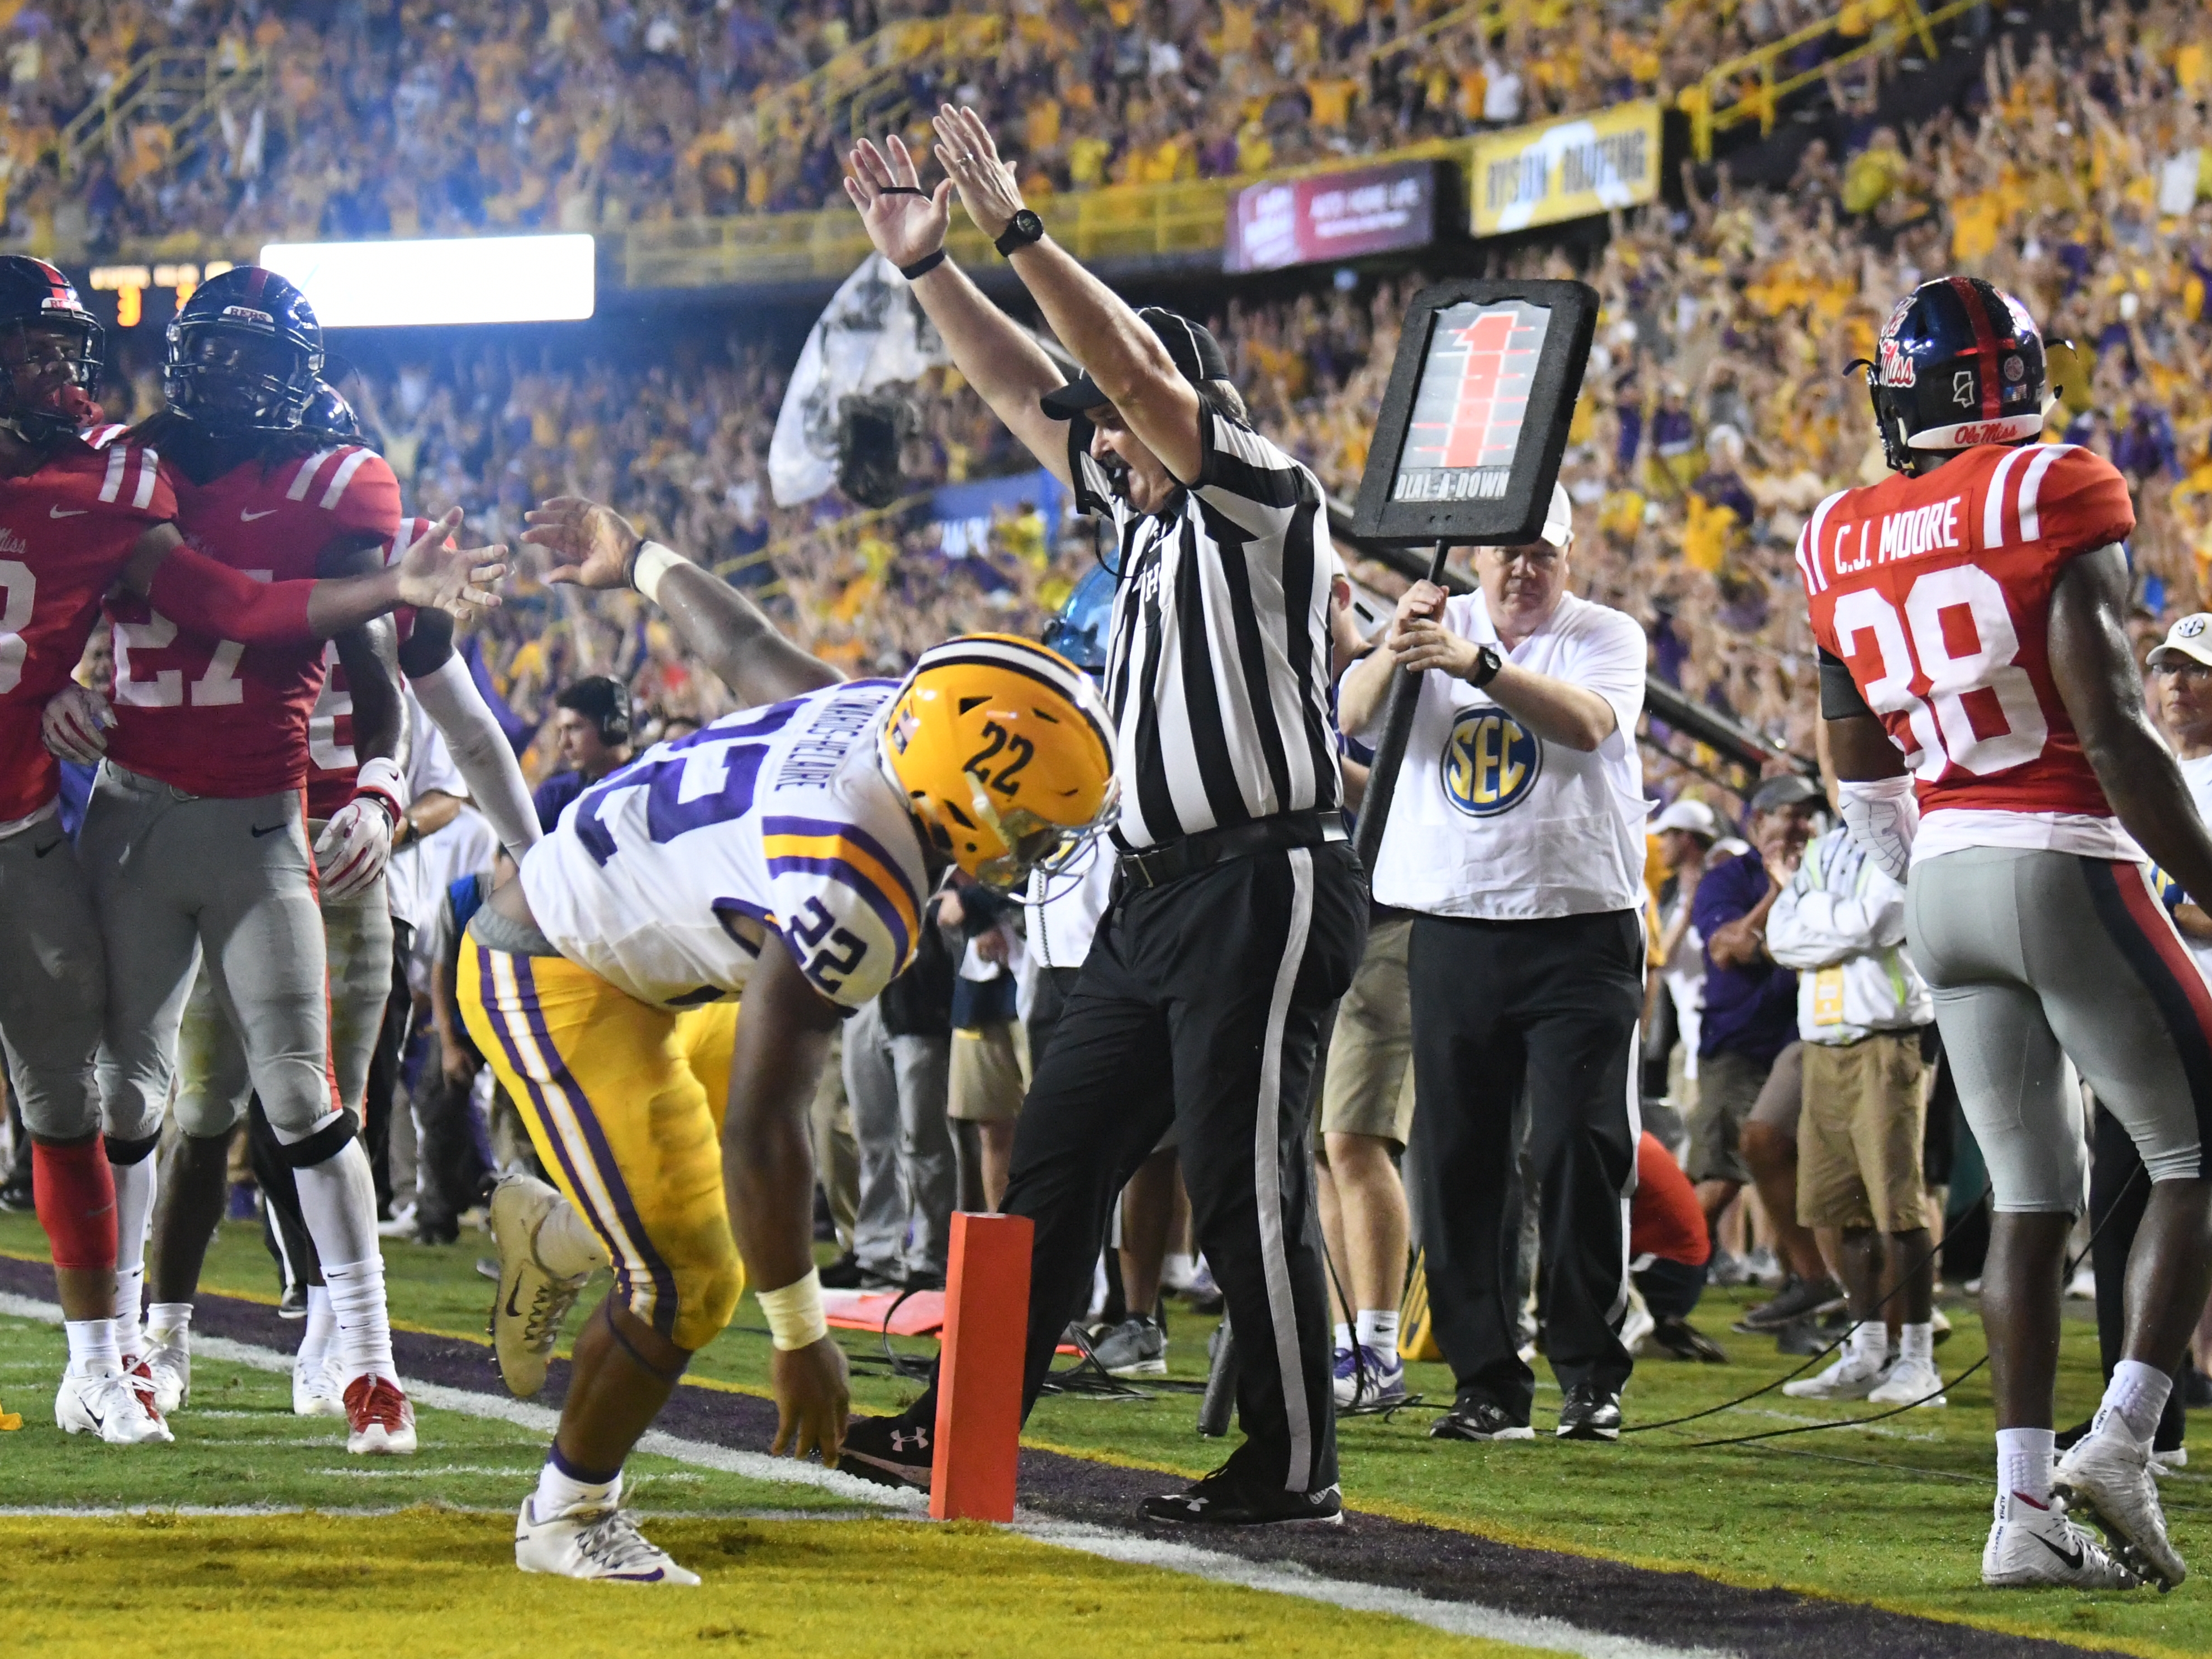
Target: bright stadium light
(475, 279)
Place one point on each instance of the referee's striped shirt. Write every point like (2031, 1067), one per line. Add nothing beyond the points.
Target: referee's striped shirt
(1218, 670)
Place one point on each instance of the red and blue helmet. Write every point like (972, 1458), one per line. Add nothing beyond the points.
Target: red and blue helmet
(246, 354)
(36, 299)
(1959, 363)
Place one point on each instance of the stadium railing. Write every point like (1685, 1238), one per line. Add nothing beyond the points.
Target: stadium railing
(175, 91)
(1754, 87)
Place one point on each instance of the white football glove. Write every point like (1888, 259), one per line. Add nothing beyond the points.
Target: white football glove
(75, 723)
(1883, 816)
(356, 843)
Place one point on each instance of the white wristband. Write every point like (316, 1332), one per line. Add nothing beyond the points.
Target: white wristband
(652, 562)
(794, 1313)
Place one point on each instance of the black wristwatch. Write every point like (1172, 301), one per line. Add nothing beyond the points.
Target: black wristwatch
(1487, 662)
(1022, 230)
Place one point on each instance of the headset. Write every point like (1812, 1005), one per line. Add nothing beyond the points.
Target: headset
(614, 725)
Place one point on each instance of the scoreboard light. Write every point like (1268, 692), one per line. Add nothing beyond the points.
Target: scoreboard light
(129, 284)
(475, 279)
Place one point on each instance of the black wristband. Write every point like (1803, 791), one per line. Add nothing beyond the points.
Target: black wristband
(923, 266)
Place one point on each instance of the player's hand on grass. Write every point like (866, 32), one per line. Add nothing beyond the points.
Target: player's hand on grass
(436, 574)
(813, 1398)
(76, 724)
(969, 157)
(904, 222)
(595, 544)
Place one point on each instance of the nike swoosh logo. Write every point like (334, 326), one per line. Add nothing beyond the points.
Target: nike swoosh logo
(245, 517)
(513, 1312)
(271, 830)
(40, 852)
(67, 512)
(2072, 1560)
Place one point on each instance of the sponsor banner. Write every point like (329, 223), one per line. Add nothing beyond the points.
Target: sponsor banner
(1565, 169)
(967, 511)
(1332, 215)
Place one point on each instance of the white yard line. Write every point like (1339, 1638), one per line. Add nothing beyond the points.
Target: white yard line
(1457, 1618)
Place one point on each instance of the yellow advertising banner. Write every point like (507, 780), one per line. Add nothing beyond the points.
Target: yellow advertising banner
(1564, 169)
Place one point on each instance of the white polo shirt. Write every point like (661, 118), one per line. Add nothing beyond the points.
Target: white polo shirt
(2197, 775)
(1492, 822)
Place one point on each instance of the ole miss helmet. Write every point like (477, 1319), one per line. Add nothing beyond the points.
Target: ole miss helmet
(51, 360)
(330, 416)
(1959, 363)
(246, 354)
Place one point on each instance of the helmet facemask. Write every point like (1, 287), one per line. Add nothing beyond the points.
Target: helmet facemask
(63, 358)
(232, 379)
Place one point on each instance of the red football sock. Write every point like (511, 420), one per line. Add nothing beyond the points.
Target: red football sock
(75, 1191)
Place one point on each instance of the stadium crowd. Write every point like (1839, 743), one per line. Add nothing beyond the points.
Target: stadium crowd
(579, 115)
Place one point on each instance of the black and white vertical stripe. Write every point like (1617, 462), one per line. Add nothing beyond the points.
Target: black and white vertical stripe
(1218, 673)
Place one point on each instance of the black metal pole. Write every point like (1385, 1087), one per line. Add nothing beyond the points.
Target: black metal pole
(1390, 749)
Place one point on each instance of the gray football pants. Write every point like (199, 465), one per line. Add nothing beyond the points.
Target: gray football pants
(173, 873)
(2033, 954)
(214, 1077)
(53, 981)
(909, 1178)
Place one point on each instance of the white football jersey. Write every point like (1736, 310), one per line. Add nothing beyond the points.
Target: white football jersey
(664, 878)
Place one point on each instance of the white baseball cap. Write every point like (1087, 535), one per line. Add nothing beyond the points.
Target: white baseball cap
(1560, 522)
(2191, 637)
(1694, 816)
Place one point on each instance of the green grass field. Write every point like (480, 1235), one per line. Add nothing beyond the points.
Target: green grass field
(1893, 1514)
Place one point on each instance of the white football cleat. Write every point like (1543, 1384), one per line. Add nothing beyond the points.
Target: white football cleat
(379, 1419)
(2107, 1474)
(592, 1543)
(2032, 1545)
(1851, 1377)
(317, 1390)
(119, 1408)
(1909, 1382)
(170, 1365)
(530, 1303)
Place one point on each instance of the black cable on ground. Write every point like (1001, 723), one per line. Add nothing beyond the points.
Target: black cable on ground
(2066, 1273)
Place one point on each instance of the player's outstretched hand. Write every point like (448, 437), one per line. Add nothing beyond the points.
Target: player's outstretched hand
(436, 574)
(75, 725)
(595, 543)
(813, 1398)
(969, 157)
(904, 222)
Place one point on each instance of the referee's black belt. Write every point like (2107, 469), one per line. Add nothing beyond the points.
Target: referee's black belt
(1156, 866)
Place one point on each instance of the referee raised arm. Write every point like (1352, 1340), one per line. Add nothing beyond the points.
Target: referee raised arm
(1241, 910)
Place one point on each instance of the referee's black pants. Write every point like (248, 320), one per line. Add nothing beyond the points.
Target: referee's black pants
(1549, 1007)
(1201, 1003)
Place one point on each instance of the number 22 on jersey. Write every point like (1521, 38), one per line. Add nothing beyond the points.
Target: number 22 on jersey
(1954, 638)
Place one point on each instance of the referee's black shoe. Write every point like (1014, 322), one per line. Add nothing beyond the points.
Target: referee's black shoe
(1228, 1499)
(1591, 1413)
(1478, 1416)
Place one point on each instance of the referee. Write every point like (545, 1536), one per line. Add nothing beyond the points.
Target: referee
(1240, 910)
(1517, 839)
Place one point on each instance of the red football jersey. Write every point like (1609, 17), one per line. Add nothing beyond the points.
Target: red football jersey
(214, 716)
(66, 532)
(1936, 590)
(331, 763)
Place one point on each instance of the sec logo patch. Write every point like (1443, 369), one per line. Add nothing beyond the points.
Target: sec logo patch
(1490, 762)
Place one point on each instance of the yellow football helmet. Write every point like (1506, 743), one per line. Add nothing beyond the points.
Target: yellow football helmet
(1006, 752)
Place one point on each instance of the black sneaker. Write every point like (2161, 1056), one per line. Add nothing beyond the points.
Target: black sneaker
(842, 1275)
(1226, 1499)
(1474, 1418)
(1798, 1298)
(1591, 1413)
(890, 1451)
(1680, 1338)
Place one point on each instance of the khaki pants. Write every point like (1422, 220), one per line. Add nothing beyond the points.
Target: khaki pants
(1859, 1137)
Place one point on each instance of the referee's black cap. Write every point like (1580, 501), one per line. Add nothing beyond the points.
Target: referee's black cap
(1196, 353)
